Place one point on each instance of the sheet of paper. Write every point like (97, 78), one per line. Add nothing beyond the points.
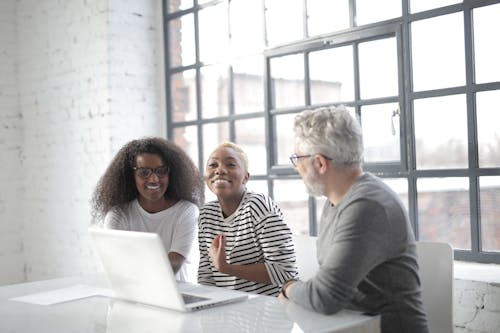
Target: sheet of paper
(63, 295)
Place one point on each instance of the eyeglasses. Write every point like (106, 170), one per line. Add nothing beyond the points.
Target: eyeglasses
(294, 158)
(147, 172)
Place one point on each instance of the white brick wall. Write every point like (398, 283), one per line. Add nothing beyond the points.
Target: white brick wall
(135, 69)
(476, 306)
(11, 131)
(64, 101)
(78, 79)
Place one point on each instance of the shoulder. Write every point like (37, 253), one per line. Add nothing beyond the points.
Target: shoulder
(209, 206)
(210, 216)
(123, 210)
(188, 206)
(118, 216)
(372, 192)
(370, 186)
(260, 204)
(184, 211)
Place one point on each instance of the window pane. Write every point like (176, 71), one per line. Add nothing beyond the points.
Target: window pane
(213, 33)
(251, 136)
(332, 75)
(183, 88)
(444, 212)
(441, 132)
(244, 13)
(486, 46)
(209, 195)
(174, 6)
(488, 130)
(187, 139)
(369, 11)
(214, 91)
(287, 80)
(438, 55)
(285, 146)
(381, 133)
(181, 41)
(327, 16)
(292, 198)
(378, 60)
(490, 212)
(283, 26)
(213, 135)
(320, 204)
(421, 5)
(248, 85)
(259, 186)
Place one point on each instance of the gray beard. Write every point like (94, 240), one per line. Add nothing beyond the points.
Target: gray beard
(313, 186)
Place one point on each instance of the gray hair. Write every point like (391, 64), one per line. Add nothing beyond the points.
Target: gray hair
(331, 132)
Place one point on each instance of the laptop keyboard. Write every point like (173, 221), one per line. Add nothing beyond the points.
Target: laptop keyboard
(192, 298)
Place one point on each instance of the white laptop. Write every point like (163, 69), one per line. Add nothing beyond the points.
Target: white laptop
(124, 316)
(138, 270)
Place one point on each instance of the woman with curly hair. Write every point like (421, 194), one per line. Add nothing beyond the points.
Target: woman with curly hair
(152, 185)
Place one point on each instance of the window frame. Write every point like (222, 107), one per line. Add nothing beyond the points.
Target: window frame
(400, 28)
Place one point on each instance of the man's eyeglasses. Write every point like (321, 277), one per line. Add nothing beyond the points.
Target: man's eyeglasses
(294, 158)
(147, 172)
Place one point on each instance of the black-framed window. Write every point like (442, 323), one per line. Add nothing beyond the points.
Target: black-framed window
(421, 76)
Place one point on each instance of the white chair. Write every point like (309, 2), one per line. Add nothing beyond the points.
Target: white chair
(305, 250)
(436, 275)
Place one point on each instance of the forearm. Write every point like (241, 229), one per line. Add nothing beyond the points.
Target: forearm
(254, 272)
(176, 260)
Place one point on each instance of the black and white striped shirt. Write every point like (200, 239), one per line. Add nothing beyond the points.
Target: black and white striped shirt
(255, 233)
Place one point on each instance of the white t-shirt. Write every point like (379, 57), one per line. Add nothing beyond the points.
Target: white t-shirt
(177, 226)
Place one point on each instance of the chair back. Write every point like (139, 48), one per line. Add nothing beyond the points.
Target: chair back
(435, 262)
(305, 250)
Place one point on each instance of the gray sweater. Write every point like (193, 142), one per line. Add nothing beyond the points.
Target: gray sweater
(368, 262)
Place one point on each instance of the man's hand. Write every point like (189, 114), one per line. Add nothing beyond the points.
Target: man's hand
(217, 252)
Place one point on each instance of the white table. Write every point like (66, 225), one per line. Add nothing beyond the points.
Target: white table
(99, 314)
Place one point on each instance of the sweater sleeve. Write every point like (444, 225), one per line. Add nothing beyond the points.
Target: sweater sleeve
(357, 245)
(205, 275)
(275, 239)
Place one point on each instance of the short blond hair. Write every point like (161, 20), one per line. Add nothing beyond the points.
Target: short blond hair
(241, 153)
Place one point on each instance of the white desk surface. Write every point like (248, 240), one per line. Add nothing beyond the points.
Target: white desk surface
(99, 314)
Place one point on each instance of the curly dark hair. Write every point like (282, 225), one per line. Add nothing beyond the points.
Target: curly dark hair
(117, 185)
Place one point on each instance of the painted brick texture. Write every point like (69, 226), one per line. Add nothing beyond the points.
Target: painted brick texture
(11, 131)
(79, 79)
(476, 307)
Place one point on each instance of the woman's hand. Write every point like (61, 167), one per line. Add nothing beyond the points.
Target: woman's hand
(218, 252)
(254, 272)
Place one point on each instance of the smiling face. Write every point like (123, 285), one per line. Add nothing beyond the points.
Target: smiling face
(152, 188)
(225, 174)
